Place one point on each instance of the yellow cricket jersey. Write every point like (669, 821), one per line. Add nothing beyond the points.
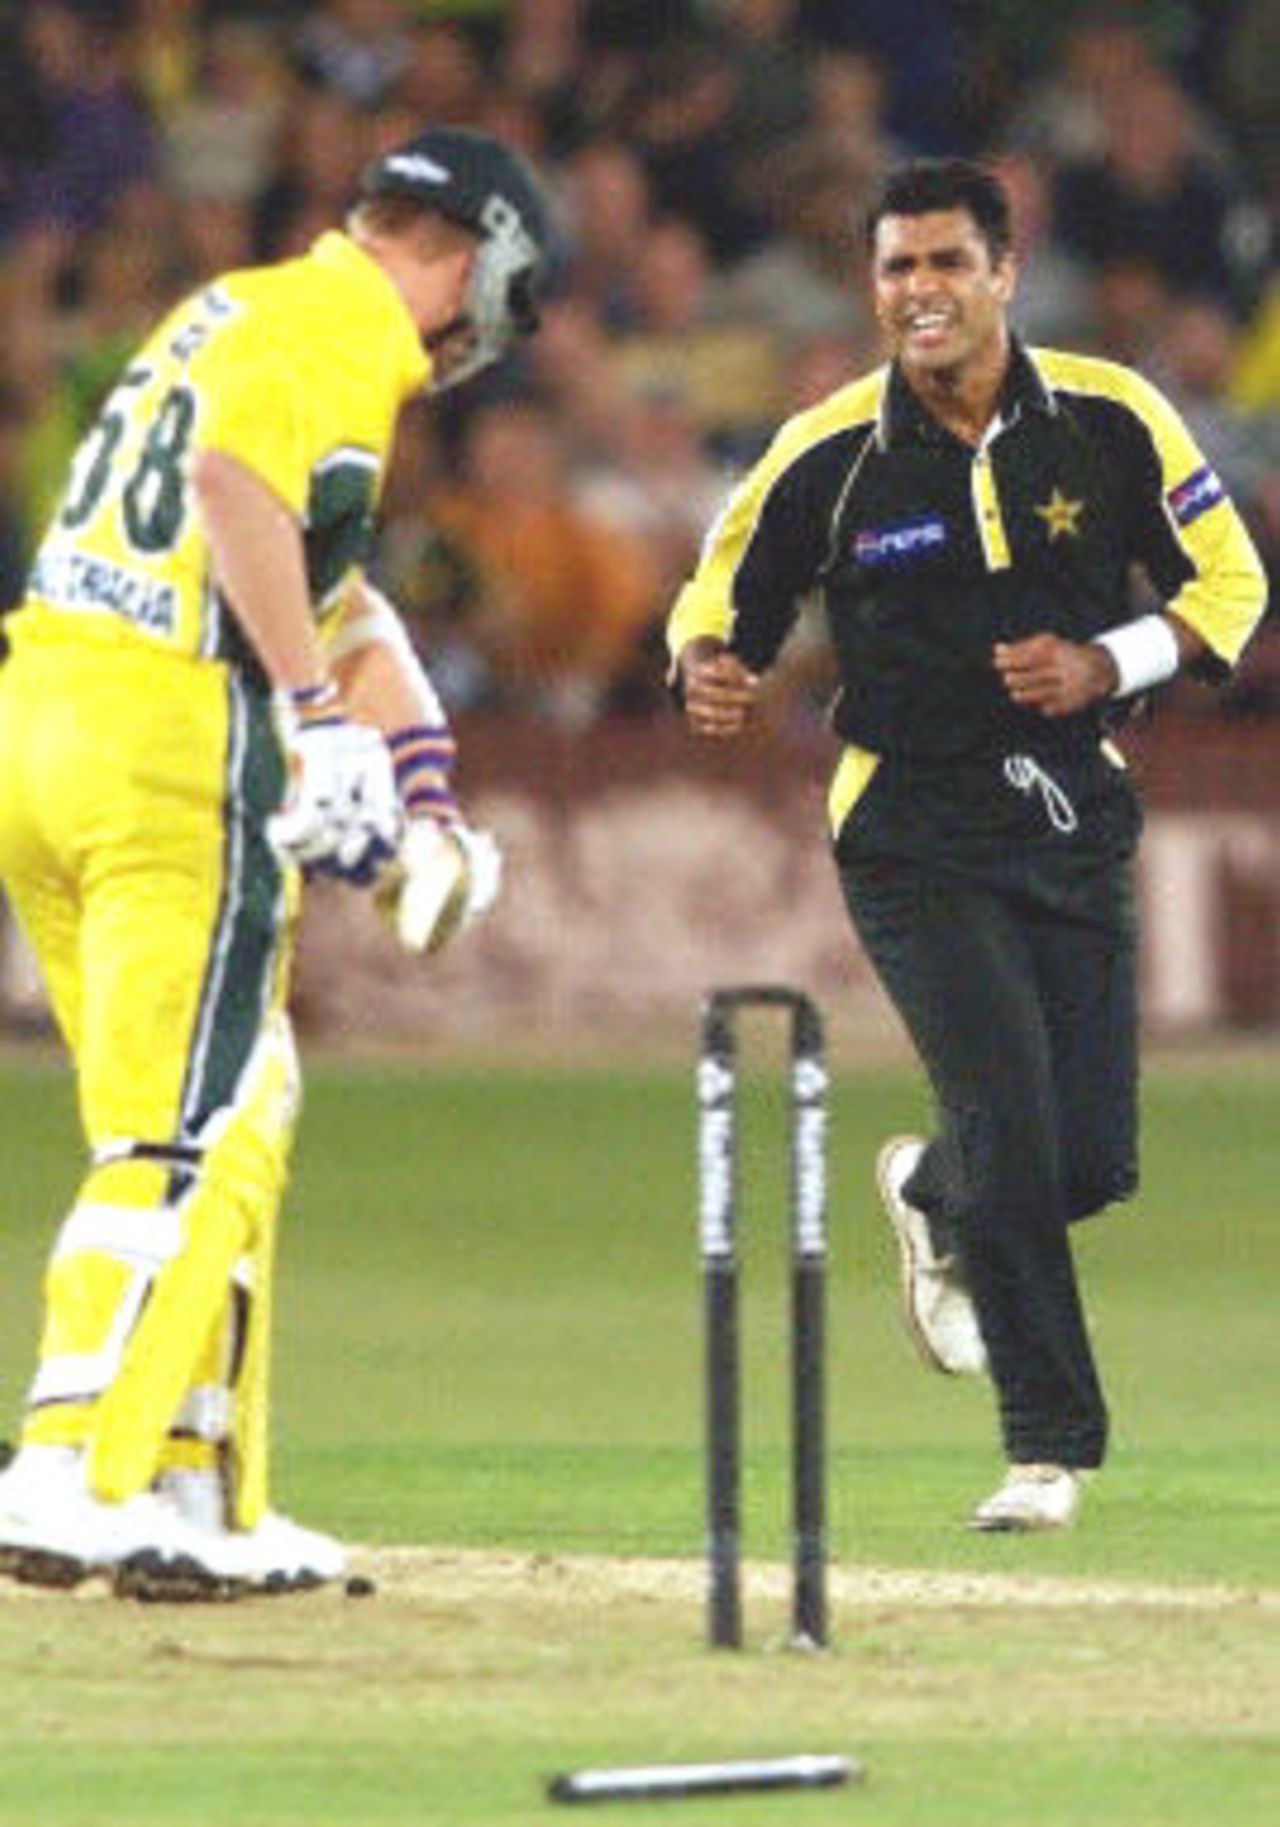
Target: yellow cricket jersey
(297, 370)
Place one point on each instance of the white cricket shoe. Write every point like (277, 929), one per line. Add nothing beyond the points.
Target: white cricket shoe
(281, 1554)
(278, 1556)
(54, 1532)
(1032, 1497)
(936, 1303)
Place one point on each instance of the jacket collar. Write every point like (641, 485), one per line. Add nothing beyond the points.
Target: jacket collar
(904, 419)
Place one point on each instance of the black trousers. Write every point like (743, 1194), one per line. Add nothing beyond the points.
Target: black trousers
(1023, 1009)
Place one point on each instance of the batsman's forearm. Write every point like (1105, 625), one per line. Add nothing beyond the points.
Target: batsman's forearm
(382, 679)
(384, 683)
(260, 567)
(376, 688)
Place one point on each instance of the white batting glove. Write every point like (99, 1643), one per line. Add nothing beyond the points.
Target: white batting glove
(443, 877)
(341, 814)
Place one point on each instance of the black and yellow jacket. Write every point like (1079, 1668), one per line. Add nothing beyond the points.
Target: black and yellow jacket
(926, 551)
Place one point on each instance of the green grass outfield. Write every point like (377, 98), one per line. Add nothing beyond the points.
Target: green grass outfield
(489, 1348)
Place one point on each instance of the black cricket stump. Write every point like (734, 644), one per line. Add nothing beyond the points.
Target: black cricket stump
(718, 1176)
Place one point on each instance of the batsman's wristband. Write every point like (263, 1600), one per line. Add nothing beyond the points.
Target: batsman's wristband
(423, 758)
(1145, 652)
(315, 703)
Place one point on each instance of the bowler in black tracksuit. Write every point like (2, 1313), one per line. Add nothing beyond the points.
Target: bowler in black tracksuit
(969, 517)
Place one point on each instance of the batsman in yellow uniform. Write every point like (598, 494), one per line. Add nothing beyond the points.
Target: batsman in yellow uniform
(205, 697)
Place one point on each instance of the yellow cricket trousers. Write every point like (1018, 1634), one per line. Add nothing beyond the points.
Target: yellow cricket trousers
(134, 791)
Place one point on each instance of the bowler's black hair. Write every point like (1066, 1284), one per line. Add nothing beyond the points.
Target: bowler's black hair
(927, 185)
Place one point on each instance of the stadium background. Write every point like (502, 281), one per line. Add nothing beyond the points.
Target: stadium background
(489, 1331)
(710, 159)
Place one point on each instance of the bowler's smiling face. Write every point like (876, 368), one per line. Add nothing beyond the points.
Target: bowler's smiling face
(939, 297)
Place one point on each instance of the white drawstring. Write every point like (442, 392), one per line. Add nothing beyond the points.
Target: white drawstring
(1025, 773)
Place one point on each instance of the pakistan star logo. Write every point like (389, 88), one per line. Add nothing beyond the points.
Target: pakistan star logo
(1060, 516)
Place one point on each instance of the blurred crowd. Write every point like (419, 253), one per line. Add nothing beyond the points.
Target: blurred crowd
(710, 162)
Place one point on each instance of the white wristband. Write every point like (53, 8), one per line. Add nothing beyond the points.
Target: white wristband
(1146, 652)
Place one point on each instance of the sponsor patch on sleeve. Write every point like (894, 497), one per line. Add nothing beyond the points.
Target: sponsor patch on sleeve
(1201, 491)
(904, 544)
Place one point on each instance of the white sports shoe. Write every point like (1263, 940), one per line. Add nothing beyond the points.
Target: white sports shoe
(935, 1301)
(277, 1556)
(54, 1532)
(280, 1554)
(1032, 1497)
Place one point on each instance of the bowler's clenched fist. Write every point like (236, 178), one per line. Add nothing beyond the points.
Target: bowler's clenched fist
(1054, 676)
(721, 695)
